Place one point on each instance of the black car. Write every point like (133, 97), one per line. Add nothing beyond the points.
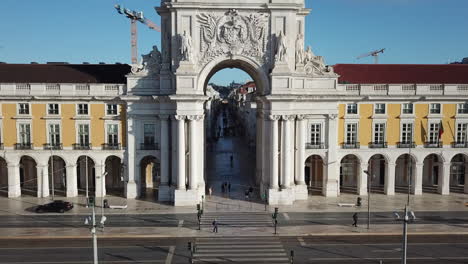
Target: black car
(57, 206)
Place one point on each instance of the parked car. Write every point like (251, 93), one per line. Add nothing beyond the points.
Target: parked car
(57, 206)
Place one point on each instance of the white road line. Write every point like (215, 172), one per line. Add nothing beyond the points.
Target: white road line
(396, 258)
(301, 240)
(170, 255)
(238, 250)
(228, 254)
(181, 222)
(286, 216)
(385, 244)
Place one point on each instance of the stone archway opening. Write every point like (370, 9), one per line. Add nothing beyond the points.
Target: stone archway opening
(432, 173)
(231, 131)
(405, 168)
(85, 175)
(458, 174)
(349, 173)
(28, 176)
(313, 172)
(3, 177)
(378, 171)
(114, 177)
(57, 175)
(150, 177)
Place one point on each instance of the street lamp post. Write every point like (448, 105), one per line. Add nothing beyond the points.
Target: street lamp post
(91, 220)
(407, 217)
(368, 197)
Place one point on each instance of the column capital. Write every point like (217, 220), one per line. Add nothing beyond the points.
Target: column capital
(288, 117)
(195, 117)
(180, 117)
(300, 117)
(332, 116)
(161, 117)
(274, 117)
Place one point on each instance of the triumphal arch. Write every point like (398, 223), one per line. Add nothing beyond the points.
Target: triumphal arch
(265, 38)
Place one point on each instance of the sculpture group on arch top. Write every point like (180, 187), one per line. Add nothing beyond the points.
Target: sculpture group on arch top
(236, 33)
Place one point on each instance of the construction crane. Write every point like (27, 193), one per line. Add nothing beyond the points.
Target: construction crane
(374, 54)
(134, 17)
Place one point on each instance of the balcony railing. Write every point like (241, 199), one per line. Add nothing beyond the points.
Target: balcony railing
(149, 146)
(354, 145)
(53, 146)
(111, 146)
(378, 145)
(459, 144)
(406, 144)
(82, 146)
(23, 146)
(429, 144)
(315, 145)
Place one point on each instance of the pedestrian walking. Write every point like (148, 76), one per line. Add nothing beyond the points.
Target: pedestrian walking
(355, 219)
(215, 226)
(210, 191)
(246, 194)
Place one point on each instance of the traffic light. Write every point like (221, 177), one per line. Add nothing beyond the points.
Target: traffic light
(91, 201)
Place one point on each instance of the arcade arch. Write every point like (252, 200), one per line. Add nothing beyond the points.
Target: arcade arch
(85, 175)
(150, 176)
(378, 171)
(28, 175)
(314, 169)
(3, 177)
(405, 167)
(432, 172)
(349, 172)
(458, 173)
(57, 175)
(114, 180)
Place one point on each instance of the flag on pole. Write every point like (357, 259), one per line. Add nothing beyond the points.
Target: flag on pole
(441, 130)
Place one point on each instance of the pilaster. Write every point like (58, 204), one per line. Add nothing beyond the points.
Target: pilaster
(417, 179)
(274, 152)
(72, 185)
(14, 187)
(444, 180)
(389, 187)
(362, 179)
(180, 151)
(331, 186)
(42, 181)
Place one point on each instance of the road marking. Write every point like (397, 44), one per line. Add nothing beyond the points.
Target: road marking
(181, 222)
(286, 216)
(396, 258)
(301, 240)
(170, 255)
(387, 250)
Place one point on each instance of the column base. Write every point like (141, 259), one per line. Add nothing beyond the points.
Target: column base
(281, 197)
(187, 197)
(14, 192)
(389, 191)
(443, 191)
(301, 192)
(164, 193)
(131, 190)
(330, 189)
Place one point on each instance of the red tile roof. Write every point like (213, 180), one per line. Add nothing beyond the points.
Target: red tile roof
(63, 73)
(402, 73)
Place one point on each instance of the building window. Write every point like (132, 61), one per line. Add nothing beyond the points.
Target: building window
(351, 133)
(379, 108)
(462, 132)
(463, 108)
(83, 134)
(24, 134)
(112, 134)
(433, 132)
(23, 109)
(434, 108)
(351, 109)
(407, 133)
(407, 108)
(315, 136)
(379, 133)
(111, 109)
(54, 134)
(83, 109)
(149, 130)
(53, 109)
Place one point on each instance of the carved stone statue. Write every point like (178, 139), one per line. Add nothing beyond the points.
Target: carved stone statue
(316, 65)
(300, 49)
(150, 63)
(281, 48)
(185, 47)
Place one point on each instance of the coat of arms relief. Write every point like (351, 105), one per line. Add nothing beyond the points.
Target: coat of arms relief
(233, 34)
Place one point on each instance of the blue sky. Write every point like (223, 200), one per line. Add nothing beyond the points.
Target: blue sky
(412, 31)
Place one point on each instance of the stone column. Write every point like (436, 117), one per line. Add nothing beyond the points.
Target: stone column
(100, 181)
(286, 153)
(180, 152)
(274, 152)
(389, 188)
(193, 152)
(201, 151)
(300, 149)
(131, 189)
(164, 150)
(444, 179)
(72, 184)
(259, 150)
(42, 181)
(362, 179)
(332, 176)
(14, 187)
(417, 178)
(174, 137)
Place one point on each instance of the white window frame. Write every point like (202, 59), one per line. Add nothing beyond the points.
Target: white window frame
(384, 132)
(346, 132)
(460, 108)
(18, 124)
(117, 109)
(59, 109)
(430, 108)
(433, 135)
(320, 132)
(385, 109)
(78, 112)
(412, 132)
(48, 131)
(352, 114)
(403, 108)
(77, 127)
(464, 138)
(29, 109)
(119, 131)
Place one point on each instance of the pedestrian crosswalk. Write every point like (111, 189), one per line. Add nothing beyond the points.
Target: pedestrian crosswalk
(237, 219)
(239, 250)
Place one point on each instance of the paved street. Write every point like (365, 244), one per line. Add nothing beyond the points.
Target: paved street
(422, 249)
